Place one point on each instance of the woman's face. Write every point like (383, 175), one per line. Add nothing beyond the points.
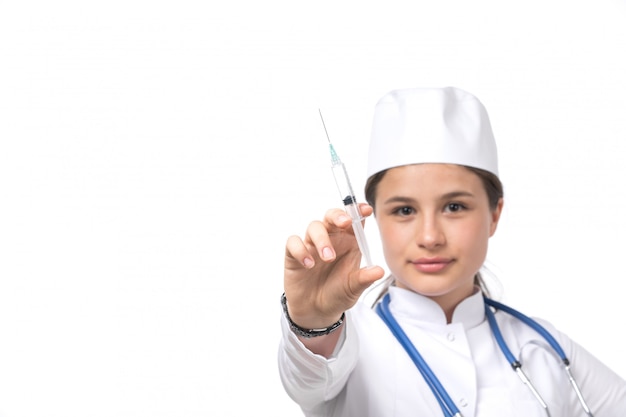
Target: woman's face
(435, 222)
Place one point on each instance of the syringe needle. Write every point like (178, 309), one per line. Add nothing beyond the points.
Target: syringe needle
(324, 124)
(334, 158)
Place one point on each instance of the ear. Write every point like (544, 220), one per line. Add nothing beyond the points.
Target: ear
(495, 217)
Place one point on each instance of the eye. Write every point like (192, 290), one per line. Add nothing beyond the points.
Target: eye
(404, 211)
(454, 207)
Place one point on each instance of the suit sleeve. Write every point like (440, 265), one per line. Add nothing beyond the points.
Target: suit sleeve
(311, 380)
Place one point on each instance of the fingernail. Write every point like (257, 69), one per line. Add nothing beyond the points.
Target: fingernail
(308, 263)
(327, 253)
(343, 218)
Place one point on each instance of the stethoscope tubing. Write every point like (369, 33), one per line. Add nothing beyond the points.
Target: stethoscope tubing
(531, 323)
(445, 402)
(517, 366)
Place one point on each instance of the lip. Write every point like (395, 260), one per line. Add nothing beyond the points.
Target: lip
(431, 265)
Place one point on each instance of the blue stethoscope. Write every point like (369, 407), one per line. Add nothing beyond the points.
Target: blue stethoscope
(447, 405)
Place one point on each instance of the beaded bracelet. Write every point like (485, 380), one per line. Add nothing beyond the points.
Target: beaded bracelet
(308, 333)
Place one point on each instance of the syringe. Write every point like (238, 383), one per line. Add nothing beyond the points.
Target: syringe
(349, 199)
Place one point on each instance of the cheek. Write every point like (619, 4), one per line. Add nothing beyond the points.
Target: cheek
(394, 237)
(474, 237)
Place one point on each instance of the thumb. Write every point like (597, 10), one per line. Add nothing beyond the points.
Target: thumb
(365, 277)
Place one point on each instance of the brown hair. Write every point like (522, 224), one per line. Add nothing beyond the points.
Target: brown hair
(492, 185)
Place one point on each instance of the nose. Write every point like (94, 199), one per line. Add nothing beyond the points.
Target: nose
(430, 234)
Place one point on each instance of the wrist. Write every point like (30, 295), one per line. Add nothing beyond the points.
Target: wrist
(307, 332)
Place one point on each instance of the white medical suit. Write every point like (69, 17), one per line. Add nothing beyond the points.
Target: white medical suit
(371, 375)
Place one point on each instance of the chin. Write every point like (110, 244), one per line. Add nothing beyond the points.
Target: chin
(437, 288)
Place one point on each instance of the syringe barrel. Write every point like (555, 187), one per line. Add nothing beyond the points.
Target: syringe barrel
(352, 208)
(359, 233)
(344, 187)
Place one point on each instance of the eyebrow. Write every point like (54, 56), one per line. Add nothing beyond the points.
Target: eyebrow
(447, 196)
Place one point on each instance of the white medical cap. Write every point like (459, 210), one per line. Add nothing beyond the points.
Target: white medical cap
(431, 125)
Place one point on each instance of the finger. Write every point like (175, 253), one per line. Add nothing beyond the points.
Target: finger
(337, 218)
(365, 209)
(342, 219)
(318, 236)
(297, 250)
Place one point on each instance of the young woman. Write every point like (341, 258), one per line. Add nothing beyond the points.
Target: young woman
(435, 344)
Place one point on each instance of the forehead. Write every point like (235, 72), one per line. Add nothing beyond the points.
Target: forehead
(433, 178)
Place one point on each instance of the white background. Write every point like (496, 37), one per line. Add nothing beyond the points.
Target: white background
(154, 157)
